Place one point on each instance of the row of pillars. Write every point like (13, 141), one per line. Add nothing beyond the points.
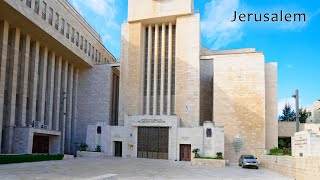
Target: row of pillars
(37, 89)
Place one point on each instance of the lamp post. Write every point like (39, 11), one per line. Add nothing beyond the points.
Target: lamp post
(296, 96)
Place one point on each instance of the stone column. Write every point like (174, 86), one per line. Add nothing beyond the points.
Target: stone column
(149, 69)
(11, 83)
(33, 87)
(163, 52)
(69, 110)
(169, 69)
(50, 88)
(23, 87)
(4, 34)
(42, 85)
(74, 110)
(56, 95)
(155, 82)
(63, 105)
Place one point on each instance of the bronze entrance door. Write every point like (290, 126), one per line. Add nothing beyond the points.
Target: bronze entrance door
(153, 142)
(185, 152)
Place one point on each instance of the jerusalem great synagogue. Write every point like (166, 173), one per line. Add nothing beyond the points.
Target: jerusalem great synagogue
(166, 96)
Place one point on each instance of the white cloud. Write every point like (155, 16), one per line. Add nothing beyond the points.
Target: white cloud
(107, 9)
(285, 101)
(216, 25)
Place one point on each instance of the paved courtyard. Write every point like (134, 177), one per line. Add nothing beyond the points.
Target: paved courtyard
(84, 168)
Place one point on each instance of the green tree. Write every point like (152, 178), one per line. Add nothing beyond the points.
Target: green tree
(304, 114)
(287, 113)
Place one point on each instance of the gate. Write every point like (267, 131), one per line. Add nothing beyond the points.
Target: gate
(153, 142)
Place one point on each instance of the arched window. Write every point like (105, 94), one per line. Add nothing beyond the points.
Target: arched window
(99, 130)
(209, 132)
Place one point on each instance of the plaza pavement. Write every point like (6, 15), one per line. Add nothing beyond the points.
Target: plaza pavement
(86, 168)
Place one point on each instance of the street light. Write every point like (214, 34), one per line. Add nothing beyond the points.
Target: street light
(296, 96)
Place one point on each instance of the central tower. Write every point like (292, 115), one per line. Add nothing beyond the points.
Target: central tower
(160, 61)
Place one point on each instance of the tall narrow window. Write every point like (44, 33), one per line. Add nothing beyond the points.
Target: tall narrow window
(96, 59)
(28, 2)
(89, 53)
(85, 46)
(68, 30)
(145, 85)
(92, 53)
(81, 43)
(72, 35)
(57, 22)
(44, 10)
(36, 6)
(62, 26)
(99, 59)
(50, 16)
(77, 39)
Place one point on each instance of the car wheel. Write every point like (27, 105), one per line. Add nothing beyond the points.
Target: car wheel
(257, 167)
(239, 164)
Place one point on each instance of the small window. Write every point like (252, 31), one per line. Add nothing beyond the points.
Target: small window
(77, 39)
(99, 130)
(44, 10)
(68, 31)
(85, 46)
(81, 43)
(50, 16)
(209, 132)
(28, 2)
(36, 6)
(72, 35)
(57, 21)
(92, 53)
(89, 51)
(96, 56)
(62, 26)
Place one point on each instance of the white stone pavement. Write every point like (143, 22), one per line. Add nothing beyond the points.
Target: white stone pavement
(84, 168)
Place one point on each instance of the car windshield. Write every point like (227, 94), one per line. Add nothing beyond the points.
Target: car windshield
(249, 157)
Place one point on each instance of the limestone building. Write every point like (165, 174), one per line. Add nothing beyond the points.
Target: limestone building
(49, 56)
(314, 112)
(176, 95)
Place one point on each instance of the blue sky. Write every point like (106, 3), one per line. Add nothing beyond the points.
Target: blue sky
(295, 46)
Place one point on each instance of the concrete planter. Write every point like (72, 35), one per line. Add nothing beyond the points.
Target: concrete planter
(209, 162)
(91, 154)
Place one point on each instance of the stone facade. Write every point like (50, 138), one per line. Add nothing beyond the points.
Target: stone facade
(300, 168)
(306, 143)
(314, 113)
(46, 48)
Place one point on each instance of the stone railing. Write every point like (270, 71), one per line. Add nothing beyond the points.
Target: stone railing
(300, 168)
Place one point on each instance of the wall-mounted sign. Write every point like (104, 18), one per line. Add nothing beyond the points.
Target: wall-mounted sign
(130, 146)
(238, 143)
(147, 121)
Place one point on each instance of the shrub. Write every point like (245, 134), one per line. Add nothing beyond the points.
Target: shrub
(196, 150)
(83, 146)
(17, 158)
(276, 151)
(219, 155)
(98, 148)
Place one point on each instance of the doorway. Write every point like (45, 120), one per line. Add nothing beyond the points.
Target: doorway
(40, 144)
(153, 142)
(118, 148)
(185, 152)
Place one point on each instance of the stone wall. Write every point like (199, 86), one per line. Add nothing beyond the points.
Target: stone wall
(209, 162)
(94, 99)
(187, 70)
(206, 88)
(271, 78)
(239, 102)
(300, 168)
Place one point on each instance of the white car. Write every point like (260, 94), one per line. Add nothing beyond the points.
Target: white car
(248, 161)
